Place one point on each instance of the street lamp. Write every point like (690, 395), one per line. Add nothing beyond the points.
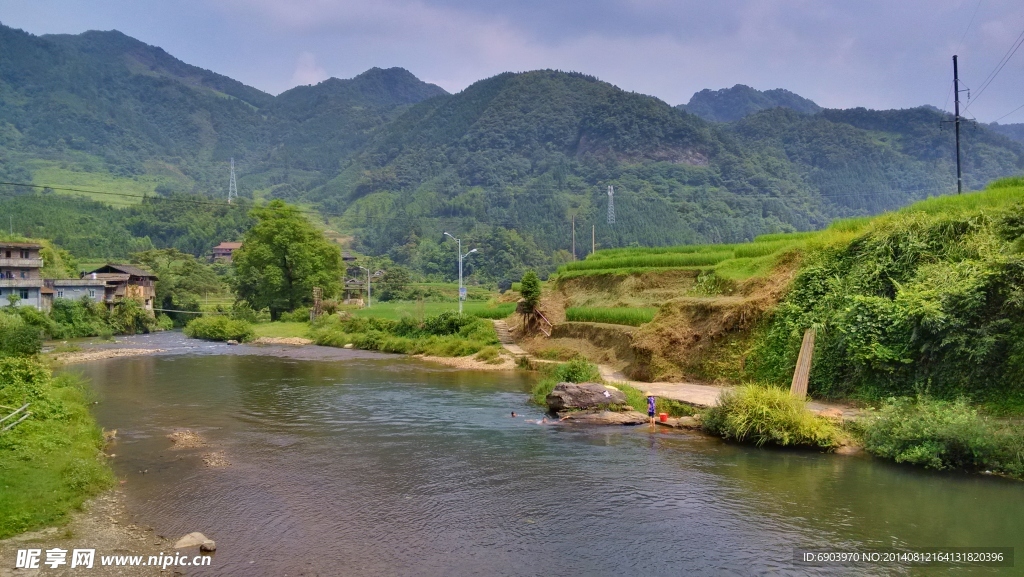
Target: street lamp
(367, 285)
(461, 256)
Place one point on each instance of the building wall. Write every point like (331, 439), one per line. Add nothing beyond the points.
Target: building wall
(33, 296)
(77, 292)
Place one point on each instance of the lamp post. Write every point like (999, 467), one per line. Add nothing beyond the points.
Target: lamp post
(461, 256)
(367, 285)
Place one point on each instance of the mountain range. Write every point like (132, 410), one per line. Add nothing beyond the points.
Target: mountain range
(509, 163)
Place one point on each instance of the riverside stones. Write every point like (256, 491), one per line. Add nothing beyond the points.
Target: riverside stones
(583, 396)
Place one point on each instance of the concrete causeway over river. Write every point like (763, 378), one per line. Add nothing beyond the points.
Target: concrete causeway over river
(689, 393)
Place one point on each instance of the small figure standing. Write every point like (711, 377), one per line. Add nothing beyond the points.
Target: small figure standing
(650, 406)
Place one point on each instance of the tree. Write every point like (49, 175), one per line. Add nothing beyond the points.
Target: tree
(529, 287)
(184, 280)
(282, 258)
(394, 285)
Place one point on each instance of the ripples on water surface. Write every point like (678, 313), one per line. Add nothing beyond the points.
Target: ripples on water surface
(392, 467)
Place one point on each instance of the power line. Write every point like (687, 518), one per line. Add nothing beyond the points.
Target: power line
(999, 67)
(968, 29)
(1009, 113)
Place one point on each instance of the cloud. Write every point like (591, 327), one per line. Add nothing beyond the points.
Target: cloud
(306, 70)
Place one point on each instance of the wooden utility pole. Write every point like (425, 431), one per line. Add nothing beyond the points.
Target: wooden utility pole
(803, 366)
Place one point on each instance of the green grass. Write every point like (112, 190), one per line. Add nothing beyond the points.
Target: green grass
(634, 316)
(282, 329)
(769, 415)
(396, 310)
(51, 173)
(51, 462)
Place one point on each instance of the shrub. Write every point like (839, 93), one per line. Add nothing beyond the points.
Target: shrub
(577, 370)
(130, 318)
(220, 328)
(18, 338)
(943, 435)
(79, 318)
(762, 414)
(295, 316)
(164, 322)
(446, 323)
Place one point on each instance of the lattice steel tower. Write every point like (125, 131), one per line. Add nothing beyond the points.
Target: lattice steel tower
(232, 185)
(611, 205)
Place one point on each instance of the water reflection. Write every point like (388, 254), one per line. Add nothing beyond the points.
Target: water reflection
(394, 467)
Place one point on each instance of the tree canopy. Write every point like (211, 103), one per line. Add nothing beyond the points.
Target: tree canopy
(282, 258)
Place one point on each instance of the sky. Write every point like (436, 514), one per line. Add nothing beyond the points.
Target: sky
(873, 53)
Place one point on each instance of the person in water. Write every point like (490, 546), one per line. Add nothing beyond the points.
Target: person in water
(650, 406)
(513, 414)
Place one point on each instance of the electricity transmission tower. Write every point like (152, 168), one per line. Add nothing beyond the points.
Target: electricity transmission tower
(611, 205)
(232, 185)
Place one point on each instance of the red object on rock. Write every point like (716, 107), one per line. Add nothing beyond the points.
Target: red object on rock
(664, 417)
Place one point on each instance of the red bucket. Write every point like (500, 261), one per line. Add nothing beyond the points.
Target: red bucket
(663, 417)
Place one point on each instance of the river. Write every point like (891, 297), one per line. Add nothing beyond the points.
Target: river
(352, 463)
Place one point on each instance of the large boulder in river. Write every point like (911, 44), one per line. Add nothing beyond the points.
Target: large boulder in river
(604, 417)
(583, 396)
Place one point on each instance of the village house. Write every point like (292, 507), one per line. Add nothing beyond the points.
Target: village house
(223, 251)
(20, 273)
(121, 281)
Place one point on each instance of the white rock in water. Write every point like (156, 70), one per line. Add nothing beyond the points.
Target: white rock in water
(191, 540)
(348, 346)
(232, 342)
(208, 546)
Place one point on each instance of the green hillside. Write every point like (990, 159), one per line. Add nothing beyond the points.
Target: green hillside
(507, 164)
(729, 104)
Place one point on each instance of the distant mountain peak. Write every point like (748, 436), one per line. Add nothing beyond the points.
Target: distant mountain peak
(730, 104)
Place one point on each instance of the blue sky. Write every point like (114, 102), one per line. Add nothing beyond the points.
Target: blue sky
(873, 53)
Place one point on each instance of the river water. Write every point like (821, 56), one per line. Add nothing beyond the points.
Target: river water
(349, 463)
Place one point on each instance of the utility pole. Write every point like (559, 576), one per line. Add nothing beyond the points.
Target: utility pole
(611, 205)
(462, 290)
(367, 285)
(956, 122)
(232, 185)
(593, 235)
(574, 237)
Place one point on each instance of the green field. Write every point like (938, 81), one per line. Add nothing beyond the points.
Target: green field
(418, 310)
(282, 329)
(49, 173)
(634, 316)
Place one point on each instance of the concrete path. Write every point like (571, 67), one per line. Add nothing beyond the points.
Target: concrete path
(707, 395)
(505, 337)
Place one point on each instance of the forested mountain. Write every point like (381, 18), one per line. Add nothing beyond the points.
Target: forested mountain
(1012, 131)
(729, 104)
(507, 164)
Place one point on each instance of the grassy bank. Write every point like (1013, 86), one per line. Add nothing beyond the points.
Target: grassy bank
(769, 415)
(448, 334)
(50, 463)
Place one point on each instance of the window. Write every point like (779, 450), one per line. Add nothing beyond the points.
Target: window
(92, 293)
(7, 254)
(24, 273)
(24, 294)
(60, 294)
(24, 253)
